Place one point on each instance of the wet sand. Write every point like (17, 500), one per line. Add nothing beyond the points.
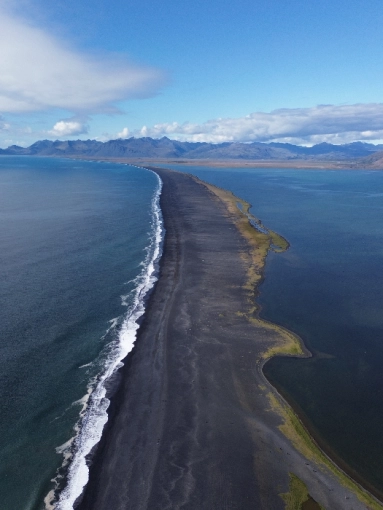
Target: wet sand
(194, 424)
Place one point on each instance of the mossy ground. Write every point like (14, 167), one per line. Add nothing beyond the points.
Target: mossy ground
(294, 430)
(298, 497)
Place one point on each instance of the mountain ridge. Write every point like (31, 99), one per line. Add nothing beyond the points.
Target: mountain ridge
(166, 148)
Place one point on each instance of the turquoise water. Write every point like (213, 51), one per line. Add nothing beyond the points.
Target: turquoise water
(78, 240)
(328, 288)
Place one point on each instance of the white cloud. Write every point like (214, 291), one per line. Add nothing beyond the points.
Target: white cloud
(68, 128)
(331, 123)
(39, 72)
(124, 133)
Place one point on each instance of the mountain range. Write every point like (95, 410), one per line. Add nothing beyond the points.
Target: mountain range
(165, 148)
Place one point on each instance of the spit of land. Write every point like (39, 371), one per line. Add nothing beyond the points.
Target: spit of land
(194, 423)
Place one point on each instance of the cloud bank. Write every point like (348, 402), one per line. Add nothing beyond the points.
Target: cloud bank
(324, 123)
(39, 72)
(68, 128)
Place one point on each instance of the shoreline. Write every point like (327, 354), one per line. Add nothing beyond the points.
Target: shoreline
(298, 164)
(293, 164)
(89, 428)
(225, 410)
(289, 349)
(324, 448)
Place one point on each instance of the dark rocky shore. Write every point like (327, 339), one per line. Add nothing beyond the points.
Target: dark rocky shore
(191, 425)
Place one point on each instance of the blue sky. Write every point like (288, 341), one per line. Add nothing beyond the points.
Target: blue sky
(302, 72)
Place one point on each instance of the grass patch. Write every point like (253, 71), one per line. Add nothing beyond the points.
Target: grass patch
(298, 497)
(295, 431)
(286, 343)
(259, 243)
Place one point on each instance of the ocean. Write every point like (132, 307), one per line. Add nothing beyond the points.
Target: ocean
(327, 288)
(79, 246)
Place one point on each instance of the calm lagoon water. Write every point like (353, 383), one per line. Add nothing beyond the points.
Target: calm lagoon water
(78, 241)
(328, 288)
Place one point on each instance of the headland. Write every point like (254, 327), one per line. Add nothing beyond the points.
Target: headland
(194, 423)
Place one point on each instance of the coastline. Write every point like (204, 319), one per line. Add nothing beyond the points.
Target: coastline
(293, 164)
(228, 163)
(290, 344)
(296, 164)
(320, 448)
(78, 451)
(224, 415)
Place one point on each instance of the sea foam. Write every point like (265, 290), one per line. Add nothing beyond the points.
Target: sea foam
(93, 416)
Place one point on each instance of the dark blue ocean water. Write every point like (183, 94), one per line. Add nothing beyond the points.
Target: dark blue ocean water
(328, 288)
(77, 246)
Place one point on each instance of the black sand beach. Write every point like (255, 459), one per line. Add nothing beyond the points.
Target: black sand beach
(194, 424)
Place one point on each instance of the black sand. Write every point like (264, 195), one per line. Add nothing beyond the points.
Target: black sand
(191, 425)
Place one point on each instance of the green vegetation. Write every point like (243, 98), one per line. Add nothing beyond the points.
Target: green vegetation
(294, 430)
(260, 242)
(298, 497)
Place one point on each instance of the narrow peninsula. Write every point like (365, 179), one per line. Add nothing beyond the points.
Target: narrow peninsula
(194, 424)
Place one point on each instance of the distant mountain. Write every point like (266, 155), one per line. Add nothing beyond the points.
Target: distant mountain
(373, 161)
(165, 148)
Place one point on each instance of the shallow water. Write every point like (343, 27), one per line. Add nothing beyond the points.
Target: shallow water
(74, 247)
(328, 288)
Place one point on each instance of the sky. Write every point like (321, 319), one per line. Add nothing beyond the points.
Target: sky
(302, 72)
